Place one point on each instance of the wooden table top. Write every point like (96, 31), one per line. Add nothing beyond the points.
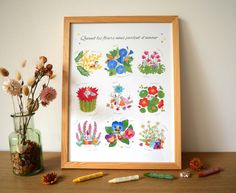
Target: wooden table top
(224, 182)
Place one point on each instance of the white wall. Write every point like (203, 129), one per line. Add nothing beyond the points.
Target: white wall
(29, 28)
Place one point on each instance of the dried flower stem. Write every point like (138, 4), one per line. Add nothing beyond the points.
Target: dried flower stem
(13, 103)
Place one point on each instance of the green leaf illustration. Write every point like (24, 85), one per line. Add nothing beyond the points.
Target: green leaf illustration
(126, 141)
(108, 55)
(82, 71)
(130, 126)
(130, 59)
(142, 110)
(152, 108)
(154, 100)
(114, 52)
(125, 123)
(143, 93)
(161, 94)
(80, 55)
(113, 144)
(143, 140)
(128, 68)
(112, 72)
(109, 130)
(161, 69)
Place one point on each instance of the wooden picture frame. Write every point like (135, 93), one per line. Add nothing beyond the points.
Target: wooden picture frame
(83, 35)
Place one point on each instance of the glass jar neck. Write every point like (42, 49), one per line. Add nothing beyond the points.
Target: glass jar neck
(22, 121)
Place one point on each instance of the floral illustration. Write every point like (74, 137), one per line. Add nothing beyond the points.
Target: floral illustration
(152, 136)
(151, 63)
(88, 136)
(122, 131)
(119, 61)
(88, 98)
(87, 62)
(151, 99)
(118, 101)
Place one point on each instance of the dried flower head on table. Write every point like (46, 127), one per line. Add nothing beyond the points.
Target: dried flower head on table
(195, 164)
(49, 178)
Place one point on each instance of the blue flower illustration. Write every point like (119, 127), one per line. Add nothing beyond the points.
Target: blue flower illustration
(131, 52)
(120, 69)
(111, 64)
(123, 52)
(117, 126)
(119, 89)
(120, 60)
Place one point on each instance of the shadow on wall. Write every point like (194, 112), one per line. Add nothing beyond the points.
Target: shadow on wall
(199, 113)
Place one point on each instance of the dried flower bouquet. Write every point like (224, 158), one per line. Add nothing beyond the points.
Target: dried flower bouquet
(27, 96)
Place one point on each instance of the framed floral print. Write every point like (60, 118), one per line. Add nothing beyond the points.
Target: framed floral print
(121, 93)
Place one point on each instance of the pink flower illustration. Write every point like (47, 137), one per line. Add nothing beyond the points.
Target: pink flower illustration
(152, 56)
(129, 133)
(146, 52)
(143, 57)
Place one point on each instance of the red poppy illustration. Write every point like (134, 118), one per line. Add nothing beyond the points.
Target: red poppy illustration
(143, 102)
(161, 104)
(87, 93)
(152, 90)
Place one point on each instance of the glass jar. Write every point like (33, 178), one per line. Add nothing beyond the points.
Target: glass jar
(25, 146)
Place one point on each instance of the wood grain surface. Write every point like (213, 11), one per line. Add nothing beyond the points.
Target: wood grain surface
(224, 182)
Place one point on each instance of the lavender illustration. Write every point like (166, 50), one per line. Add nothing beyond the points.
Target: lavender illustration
(88, 136)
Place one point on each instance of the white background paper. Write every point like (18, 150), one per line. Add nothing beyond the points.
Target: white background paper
(131, 82)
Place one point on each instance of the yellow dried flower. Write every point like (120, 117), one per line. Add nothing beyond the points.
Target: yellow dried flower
(4, 72)
(31, 81)
(23, 64)
(43, 59)
(25, 90)
(18, 76)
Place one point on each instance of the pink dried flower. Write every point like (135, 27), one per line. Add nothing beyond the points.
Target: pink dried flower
(47, 95)
(12, 87)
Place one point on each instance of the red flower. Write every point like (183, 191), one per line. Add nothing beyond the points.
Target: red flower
(161, 104)
(152, 90)
(143, 102)
(87, 93)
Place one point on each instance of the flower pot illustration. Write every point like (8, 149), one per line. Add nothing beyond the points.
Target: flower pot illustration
(88, 98)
